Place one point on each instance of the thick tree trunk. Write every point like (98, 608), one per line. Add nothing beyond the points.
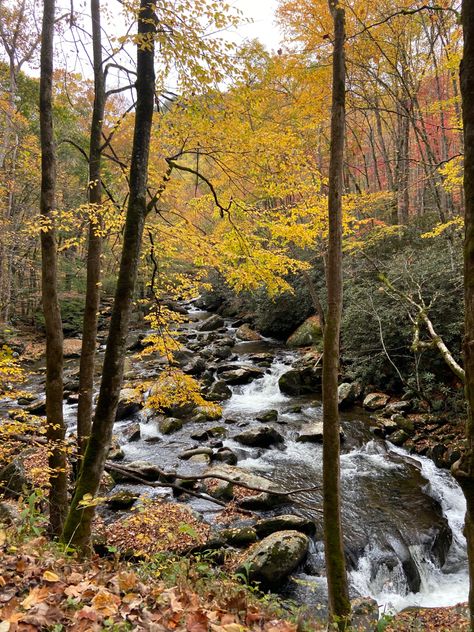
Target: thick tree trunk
(91, 308)
(339, 604)
(464, 469)
(52, 314)
(77, 529)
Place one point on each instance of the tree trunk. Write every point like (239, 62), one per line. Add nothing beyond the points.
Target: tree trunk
(52, 314)
(91, 308)
(77, 529)
(339, 604)
(464, 469)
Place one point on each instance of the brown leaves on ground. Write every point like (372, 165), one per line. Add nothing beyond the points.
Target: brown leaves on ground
(157, 527)
(455, 619)
(40, 588)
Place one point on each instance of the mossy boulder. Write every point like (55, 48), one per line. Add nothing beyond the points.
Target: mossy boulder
(307, 335)
(168, 425)
(272, 560)
(286, 522)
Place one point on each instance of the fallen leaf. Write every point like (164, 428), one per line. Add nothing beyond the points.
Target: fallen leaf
(106, 603)
(3, 537)
(36, 596)
(49, 576)
(4, 626)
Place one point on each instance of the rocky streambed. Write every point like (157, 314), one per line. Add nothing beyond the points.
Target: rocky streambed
(402, 515)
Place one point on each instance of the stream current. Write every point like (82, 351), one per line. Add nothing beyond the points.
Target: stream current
(403, 517)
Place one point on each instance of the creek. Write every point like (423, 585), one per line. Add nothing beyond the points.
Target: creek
(402, 516)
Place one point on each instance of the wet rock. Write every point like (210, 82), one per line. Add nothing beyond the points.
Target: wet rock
(347, 393)
(261, 500)
(217, 352)
(307, 334)
(187, 454)
(240, 375)
(375, 401)
(135, 342)
(26, 398)
(129, 404)
(132, 432)
(404, 423)
(218, 391)
(272, 560)
(142, 469)
(211, 324)
(168, 425)
(245, 333)
(238, 536)
(262, 437)
(313, 433)
(388, 426)
(196, 366)
(437, 454)
(286, 522)
(37, 408)
(300, 381)
(201, 458)
(225, 455)
(399, 437)
(267, 415)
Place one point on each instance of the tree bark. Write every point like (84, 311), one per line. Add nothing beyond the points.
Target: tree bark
(77, 529)
(91, 308)
(464, 469)
(339, 604)
(52, 314)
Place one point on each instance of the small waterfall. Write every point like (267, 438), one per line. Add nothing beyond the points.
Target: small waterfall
(439, 587)
(260, 394)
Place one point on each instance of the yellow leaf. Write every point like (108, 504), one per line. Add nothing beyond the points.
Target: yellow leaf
(49, 576)
(4, 626)
(3, 537)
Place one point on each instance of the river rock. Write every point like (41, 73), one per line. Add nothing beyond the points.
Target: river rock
(399, 437)
(9, 514)
(211, 324)
(347, 393)
(241, 374)
(400, 406)
(313, 433)
(404, 423)
(262, 437)
(143, 469)
(238, 536)
(218, 391)
(245, 333)
(375, 401)
(168, 425)
(300, 381)
(196, 366)
(286, 522)
(307, 334)
(364, 614)
(260, 500)
(217, 352)
(272, 560)
(267, 415)
(132, 432)
(225, 455)
(129, 404)
(37, 408)
(188, 454)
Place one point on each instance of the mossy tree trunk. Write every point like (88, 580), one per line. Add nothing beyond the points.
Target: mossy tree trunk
(464, 469)
(49, 284)
(339, 604)
(91, 308)
(77, 530)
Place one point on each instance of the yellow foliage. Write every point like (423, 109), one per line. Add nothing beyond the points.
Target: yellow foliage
(11, 373)
(175, 388)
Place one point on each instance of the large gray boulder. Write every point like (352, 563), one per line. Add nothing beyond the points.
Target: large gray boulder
(256, 500)
(234, 374)
(245, 333)
(272, 560)
(376, 401)
(129, 404)
(261, 437)
(218, 391)
(313, 433)
(211, 324)
(286, 522)
(308, 334)
(300, 381)
(347, 393)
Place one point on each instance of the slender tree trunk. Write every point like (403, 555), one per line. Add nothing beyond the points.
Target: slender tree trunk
(77, 529)
(91, 309)
(464, 469)
(52, 314)
(403, 197)
(339, 604)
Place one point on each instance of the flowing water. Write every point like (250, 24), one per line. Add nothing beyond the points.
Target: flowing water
(402, 516)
